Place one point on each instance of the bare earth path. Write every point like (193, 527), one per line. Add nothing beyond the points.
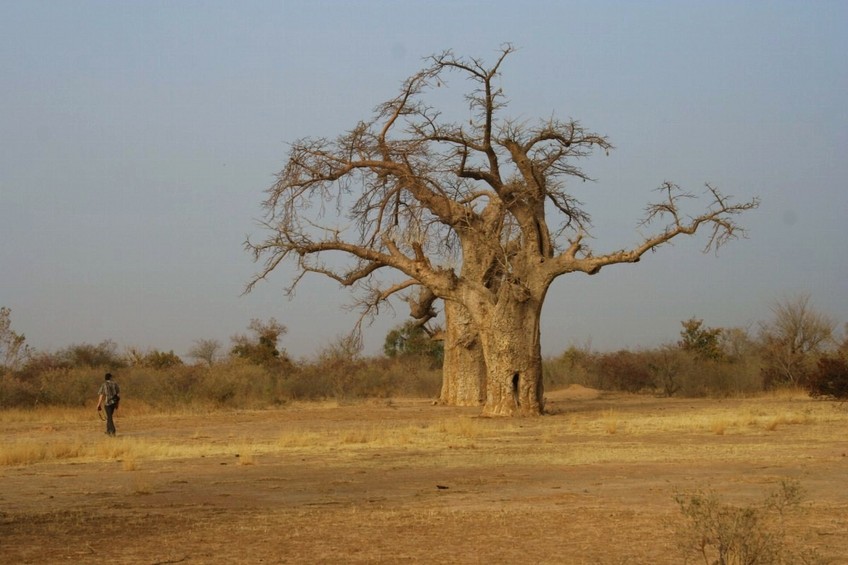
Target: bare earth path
(393, 481)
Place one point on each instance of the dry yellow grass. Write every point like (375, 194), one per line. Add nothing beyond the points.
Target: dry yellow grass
(31, 451)
(28, 452)
(22, 453)
(59, 434)
(45, 415)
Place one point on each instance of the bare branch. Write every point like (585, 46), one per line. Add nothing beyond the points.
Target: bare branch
(719, 219)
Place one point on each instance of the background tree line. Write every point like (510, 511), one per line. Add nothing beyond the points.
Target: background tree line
(255, 371)
(797, 347)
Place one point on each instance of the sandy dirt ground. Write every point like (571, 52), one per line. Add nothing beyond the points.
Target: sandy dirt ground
(396, 481)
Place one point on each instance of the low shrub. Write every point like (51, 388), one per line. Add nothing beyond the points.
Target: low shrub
(720, 533)
(571, 367)
(15, 392)
(623, 370)
(719, 378)
(69, 387)
(342, 379)
(830, 379)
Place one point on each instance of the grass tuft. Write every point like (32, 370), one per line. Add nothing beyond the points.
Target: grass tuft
(611, 422)
(719, 427)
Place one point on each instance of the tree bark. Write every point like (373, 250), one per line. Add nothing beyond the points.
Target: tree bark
(464, 368)
(513, 355)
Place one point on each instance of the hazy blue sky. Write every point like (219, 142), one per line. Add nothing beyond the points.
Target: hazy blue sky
(137, 138)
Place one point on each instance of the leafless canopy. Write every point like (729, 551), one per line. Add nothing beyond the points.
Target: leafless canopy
(415, 193)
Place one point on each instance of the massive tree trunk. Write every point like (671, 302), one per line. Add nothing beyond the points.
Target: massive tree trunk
(513, 355)
(464, 369)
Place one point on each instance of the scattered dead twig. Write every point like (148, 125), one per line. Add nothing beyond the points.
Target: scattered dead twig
(185, 558)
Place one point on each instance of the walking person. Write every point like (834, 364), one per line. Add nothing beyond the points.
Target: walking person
(110, 393)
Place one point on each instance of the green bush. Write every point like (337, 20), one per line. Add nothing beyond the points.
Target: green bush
(262, 348)
(702, 342)
(411, 339)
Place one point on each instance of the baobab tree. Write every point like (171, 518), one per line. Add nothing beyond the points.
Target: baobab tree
(478, 212)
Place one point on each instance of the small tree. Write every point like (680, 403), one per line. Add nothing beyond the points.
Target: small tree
(704, 343)
(13, 348)
(412, 338)
(156, 359)
(792, 340)
(205, 350)
(261, 348)
(86, 355)
(340, 360)
(737, 345)
(666, 365)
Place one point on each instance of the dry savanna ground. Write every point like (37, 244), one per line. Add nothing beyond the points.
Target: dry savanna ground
(594, 481)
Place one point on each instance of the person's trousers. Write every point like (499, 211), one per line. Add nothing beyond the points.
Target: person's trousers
(110, 424)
